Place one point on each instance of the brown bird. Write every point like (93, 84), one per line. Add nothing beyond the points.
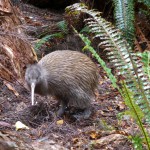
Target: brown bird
(68, 75)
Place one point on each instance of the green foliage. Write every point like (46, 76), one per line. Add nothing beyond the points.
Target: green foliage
(124, 15)
(137, 142)
(62, 25)
(130, 102)
(135, 85)
(135, 112)
(46, 39)
(86, 29)
(146, 61)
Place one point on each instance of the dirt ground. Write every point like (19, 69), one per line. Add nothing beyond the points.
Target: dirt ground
(104, 129)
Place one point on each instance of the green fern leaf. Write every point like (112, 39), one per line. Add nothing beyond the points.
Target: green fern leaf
(124, 15)
(47, 38)
(62, 25)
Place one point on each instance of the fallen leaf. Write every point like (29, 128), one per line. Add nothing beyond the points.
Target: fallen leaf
(60, 122)
(101, 82)
(93, 135)
(121, 105)
(19, 125)
(11, 88)
(110, 108)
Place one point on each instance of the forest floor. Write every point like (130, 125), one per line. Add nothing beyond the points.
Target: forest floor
(104, 129)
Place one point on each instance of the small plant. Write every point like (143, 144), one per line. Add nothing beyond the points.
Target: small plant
(62, 25)
(46, 39)
(137, 142)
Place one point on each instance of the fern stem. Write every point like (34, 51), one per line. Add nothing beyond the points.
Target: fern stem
(136, 114)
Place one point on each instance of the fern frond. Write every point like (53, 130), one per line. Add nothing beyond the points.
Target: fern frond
(135, 109)
(146, 61)
(137, 142)
(121, 55)
(47, 38)
(124, 15)
(62, 25)
(86, 29)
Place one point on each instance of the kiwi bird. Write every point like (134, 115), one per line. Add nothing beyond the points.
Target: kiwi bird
(70, 76)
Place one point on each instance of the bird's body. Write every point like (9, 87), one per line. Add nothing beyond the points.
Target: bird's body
(68, 75)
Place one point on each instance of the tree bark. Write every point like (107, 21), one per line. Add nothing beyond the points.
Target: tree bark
(15, 49)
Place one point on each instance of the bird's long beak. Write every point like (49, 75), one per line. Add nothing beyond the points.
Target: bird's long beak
(32, 92)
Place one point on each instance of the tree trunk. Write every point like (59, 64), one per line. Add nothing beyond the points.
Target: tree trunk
(15, 50)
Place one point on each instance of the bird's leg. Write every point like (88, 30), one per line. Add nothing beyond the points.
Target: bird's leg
(62, 108)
